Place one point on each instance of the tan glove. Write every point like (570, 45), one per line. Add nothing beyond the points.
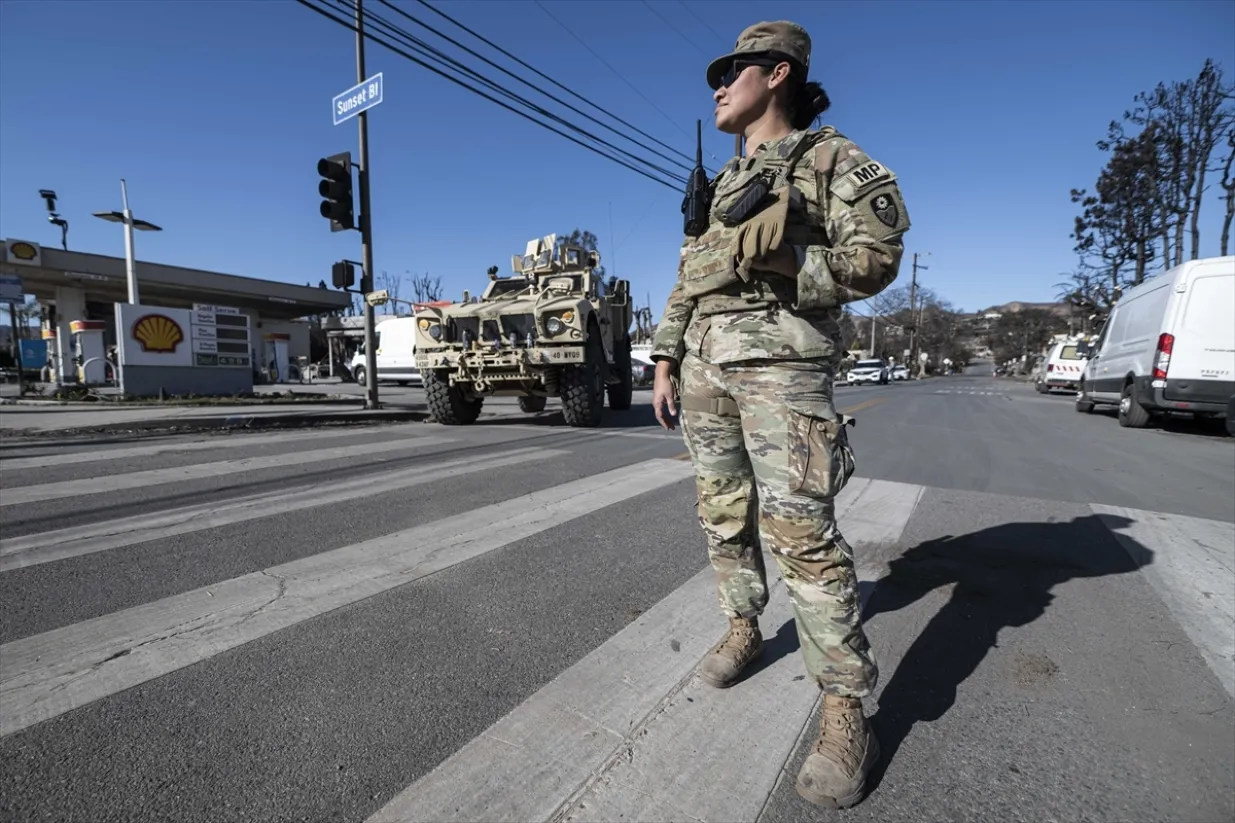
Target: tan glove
(758, 241)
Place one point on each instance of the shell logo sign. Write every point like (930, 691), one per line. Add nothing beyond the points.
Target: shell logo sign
(158, 333)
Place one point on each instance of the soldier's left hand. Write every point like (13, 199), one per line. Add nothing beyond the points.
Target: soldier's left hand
(783, 261)
(762, 234)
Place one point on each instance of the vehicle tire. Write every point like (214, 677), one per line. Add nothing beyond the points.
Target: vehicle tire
(620, 393)
(1082, 405)
(583, 387)
(1041, 388)
(447, 403)
(1132, 414)
(531, 403)
(358, 373)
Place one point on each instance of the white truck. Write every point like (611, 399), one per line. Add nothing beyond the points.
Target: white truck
(396, 353)
(1168, 346)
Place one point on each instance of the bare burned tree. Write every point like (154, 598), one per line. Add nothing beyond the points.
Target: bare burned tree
(426, 289)
(1185, 122)
(392, 285)
(1228, 185)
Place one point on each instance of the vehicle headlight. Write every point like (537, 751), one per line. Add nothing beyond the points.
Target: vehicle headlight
(430, 327)
(554, 326)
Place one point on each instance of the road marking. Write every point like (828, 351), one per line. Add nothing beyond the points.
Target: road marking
(10, 464)
(158, 477)
(45, 547)
(865, 404)
(573, 742)
(51, 673)
(1192, 569)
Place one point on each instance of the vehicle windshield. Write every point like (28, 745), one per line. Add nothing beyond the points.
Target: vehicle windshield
(503, 287)
(869, 364)
(1069, 352)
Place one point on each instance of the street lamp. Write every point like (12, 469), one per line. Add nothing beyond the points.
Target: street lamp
(130, 223)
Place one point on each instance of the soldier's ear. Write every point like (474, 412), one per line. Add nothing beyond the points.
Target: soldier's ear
(779, 75)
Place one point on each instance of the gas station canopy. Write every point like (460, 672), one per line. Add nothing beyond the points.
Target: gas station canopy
(102, 279)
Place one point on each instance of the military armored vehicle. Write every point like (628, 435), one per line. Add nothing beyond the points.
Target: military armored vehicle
(554, 328)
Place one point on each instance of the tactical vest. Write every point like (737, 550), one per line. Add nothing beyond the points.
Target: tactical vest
(708, 274)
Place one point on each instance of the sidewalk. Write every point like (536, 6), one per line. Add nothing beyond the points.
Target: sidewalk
(41, 419)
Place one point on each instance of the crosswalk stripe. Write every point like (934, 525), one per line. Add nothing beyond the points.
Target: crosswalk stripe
(75, 541)
(625, 705)
(750, 732)
(12, 464)
(156, 477)
(51, 673)
(1192, 569)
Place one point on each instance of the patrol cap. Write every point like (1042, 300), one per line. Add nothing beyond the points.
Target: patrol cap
(788, 40)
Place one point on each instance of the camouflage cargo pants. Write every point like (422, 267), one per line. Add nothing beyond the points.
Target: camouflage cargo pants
(770, 454)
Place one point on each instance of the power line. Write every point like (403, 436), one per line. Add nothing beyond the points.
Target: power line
(702, 22)
(539, 73)
(664, 20)
(425, 47)
(352, 27)
(620, 76)
(506, 71)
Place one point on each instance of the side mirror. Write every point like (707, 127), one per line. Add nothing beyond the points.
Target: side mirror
(619, 292)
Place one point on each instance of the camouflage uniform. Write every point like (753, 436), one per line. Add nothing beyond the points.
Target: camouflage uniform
(756, 353)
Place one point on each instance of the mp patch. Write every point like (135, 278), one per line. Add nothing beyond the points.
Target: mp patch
(867, 174)
(884, 209)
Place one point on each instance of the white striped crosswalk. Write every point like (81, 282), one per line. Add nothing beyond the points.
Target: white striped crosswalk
(624, 733)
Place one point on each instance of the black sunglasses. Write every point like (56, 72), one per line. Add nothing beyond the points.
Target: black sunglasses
(740, 64)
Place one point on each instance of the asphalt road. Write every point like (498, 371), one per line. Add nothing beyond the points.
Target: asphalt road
(501, 621)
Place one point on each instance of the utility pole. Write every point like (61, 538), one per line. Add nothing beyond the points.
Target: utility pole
(872, 333)
(914, 365)
(366, 230)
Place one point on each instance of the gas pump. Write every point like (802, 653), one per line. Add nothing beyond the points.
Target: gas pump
(276, 359)
(55, 354)
(90, 357)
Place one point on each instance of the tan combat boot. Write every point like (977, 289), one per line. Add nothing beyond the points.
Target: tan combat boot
(834, 774)
(738, 647)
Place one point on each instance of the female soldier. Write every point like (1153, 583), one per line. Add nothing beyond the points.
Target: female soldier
(803, 224)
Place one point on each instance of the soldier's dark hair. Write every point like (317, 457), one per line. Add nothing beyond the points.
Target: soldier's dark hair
(804, 101)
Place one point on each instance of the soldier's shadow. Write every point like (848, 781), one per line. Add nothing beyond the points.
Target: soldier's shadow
(1001, 577)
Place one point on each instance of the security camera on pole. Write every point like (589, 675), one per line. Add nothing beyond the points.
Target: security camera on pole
(336, 188)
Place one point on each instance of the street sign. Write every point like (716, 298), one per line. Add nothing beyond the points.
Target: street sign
(377, 298)
(10, 288)
(360, 97)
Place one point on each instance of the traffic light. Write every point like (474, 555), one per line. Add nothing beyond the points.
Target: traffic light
(343, 275)
(336, 188)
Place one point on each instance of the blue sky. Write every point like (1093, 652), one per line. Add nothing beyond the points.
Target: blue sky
(216, 113)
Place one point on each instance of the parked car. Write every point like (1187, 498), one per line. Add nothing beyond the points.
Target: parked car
(643, 371)
(900, 372)
(1168, 346)
(869, 371)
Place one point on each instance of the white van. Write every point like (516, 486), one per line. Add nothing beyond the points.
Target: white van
(1168, 346)
(1062, 367)
(396, 353)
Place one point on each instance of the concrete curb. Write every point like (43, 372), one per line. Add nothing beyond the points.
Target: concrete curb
(236, 421)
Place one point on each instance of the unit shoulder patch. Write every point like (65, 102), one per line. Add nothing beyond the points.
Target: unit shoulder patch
(885, 210)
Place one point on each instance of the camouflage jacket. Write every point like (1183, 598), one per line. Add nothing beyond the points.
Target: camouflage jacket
(846, 231)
